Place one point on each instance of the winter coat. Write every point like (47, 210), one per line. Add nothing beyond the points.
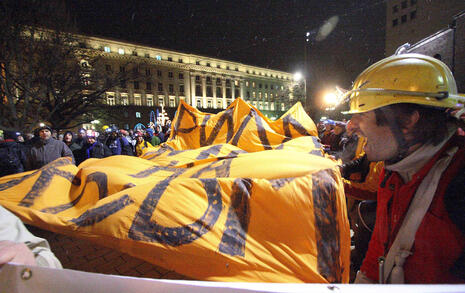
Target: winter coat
(96, 150)
(12, 158)
(438, 250)
(43, 152)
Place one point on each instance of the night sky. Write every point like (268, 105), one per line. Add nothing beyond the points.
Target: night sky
(264, 33)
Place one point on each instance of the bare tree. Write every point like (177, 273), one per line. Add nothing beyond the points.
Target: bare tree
(47, 72)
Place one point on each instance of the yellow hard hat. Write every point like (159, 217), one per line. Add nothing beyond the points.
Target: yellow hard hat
(104, 127)
(405, 78)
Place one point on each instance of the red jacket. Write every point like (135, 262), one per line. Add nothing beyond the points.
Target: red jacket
(438, 241)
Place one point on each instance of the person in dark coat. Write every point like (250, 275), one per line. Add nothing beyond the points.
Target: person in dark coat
(12, 156)
(94, 149)
(46, 149)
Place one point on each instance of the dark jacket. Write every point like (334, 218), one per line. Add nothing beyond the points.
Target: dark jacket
(96, 150)
(43, 152)
(12, 158)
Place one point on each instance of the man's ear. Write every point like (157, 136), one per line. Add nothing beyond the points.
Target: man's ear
(410, 122)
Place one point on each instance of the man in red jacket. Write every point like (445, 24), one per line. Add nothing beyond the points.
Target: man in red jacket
(400, 105)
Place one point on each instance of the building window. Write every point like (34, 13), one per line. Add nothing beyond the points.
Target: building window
(248, 95)
(219, 104)
(138, 115)
(149, 101)
(246, 83)
(172, 103)
(181, 89)
(254, 95)
(197, 62)
(403, 4)
(198, 90)
(122, 83)
(227, 67)
(181, 76)
(159, 74)
(236, 93)
(126, 114)
(218, 66)
(259, 85)
(197, 78)
(158, 57)
(137, 100)
(170, 74)
(272, 106)
(108, 67)
(180, 60)
(253, 84)
(124, 100)
(107, 49)
(134, 53)
(237, 69)
(209, 91)
(121, 51)
(147, 72)
(228, 82)
(148, 86)
(199, 103)
(170, 59)
(135, 70)
(413, 14)
(161, 101)
(218, 81)
(171, 89)
(110, 100)
(266, 86)
(228, 93)
(219, 92)
(122, 69)
(395, 22)
(147, 55)
(136, 85)
(259, 95)
(395, 9)
(283, 108)
(209, 103)
(403, 18)
(160, 87)
(229, 103)
(208, 64)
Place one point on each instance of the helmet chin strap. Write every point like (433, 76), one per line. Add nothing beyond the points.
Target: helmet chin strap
(403, 145)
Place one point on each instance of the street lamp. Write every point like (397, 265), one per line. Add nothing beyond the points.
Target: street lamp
(298, 76)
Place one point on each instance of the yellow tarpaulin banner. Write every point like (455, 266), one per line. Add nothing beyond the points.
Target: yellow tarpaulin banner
(231, 196)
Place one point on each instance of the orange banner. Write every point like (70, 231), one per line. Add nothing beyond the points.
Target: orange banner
(230, 197)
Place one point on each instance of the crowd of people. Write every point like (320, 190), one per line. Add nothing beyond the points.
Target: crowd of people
(19, 154)
(407, 109)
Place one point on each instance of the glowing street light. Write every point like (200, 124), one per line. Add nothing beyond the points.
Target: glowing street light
(298, 76)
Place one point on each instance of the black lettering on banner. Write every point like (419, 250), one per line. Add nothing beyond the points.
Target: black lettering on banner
(14, 182)
(277, 184)
(226, 116)
(213, 151)
(237, 223)
(45, 178)
(147, 172)
(244, 123)
(102, 183)
(288, 121)
(160, 150)
(221, 169)
(261, 131)
(177, 125)
(145, 229)
(326, 224)
(96, 215)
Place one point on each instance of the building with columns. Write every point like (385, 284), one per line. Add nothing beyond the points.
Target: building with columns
(166, 77)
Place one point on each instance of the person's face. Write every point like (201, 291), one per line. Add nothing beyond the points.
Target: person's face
(68, 137)
(45, 134)
(381, 144)
(140, 139)
(20, 138)
(81, 134)
(91, 140)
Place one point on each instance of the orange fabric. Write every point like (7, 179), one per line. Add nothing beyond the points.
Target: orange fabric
(230, 197)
